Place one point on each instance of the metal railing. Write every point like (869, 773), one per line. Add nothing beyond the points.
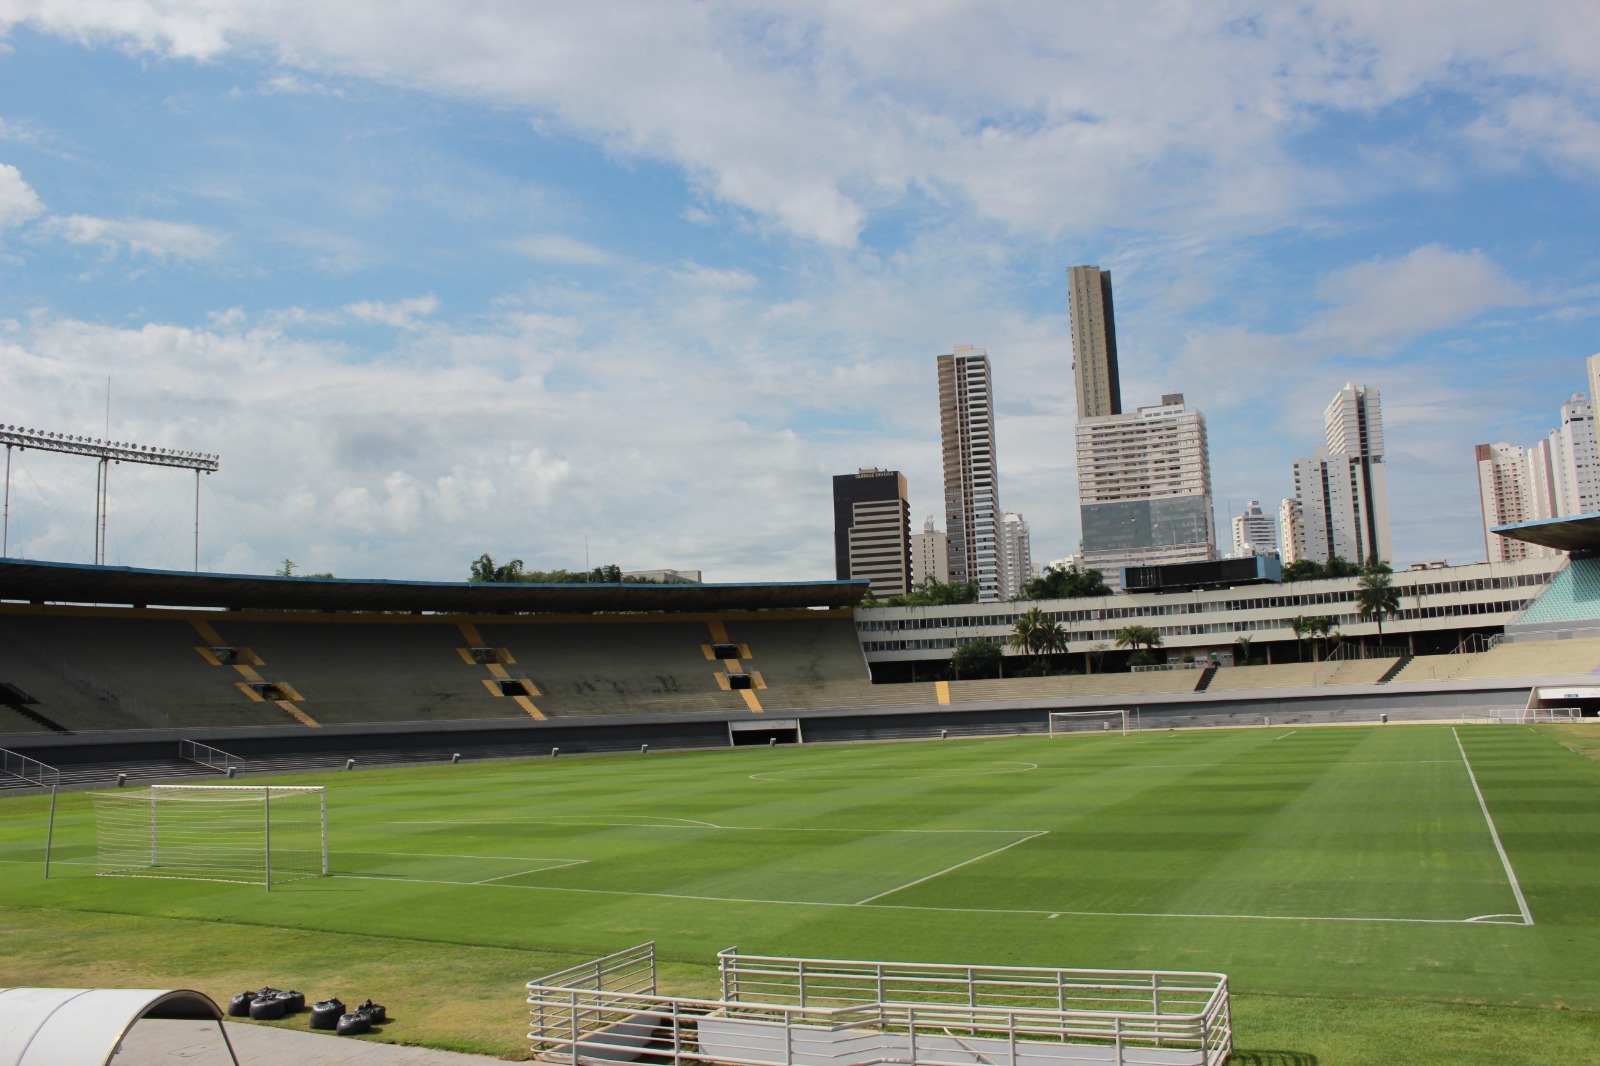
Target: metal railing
(206, 755)
(32, 771)
(781, 1011)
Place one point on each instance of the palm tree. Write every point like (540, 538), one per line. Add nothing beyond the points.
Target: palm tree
(1376, 595)
(1320, 626)
(1241, 651)
(1026, 629)
(1053, 639)
(1302, 628)
(1138, 637)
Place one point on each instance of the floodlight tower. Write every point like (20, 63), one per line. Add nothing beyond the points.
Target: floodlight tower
(105, 452)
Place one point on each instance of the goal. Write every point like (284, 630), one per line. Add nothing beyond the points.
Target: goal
(1064, 722)
(261, 835)
(1524, 715)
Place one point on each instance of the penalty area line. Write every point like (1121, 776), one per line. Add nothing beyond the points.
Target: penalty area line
(1494, 834)
(929, 909)
(948, 869)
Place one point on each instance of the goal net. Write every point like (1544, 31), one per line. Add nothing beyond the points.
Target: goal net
(1120, 721)
(1523, 715)
(262, 835)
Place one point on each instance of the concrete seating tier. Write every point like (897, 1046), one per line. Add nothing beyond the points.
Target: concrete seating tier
(1355, 671)
(1282, 675)
(1153, 682)
(122, 672)
(1531, 659)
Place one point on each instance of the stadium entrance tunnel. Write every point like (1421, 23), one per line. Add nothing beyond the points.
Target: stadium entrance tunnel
(765, 733)
(89, 1026)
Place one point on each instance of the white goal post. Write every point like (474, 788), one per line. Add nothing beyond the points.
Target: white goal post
(1523, 715)
(1120, 720)
(253, 834)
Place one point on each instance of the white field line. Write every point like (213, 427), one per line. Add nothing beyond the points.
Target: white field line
(1505, 860)
(439, 855)
(535, 870)
(947, 869)
(782, 775)
(707, 825)
(951, 910)
(1290, 733)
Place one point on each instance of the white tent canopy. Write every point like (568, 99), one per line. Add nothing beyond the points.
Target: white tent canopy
(50, 1026)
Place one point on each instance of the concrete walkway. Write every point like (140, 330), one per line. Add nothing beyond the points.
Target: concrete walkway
(168, 1043)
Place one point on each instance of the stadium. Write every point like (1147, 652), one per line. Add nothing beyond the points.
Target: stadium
(729, 823)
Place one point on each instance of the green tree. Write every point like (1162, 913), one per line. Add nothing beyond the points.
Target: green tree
(1144, 640)
(1241, 651)
(485, 571)
(1320, 626)
(1376, 595)
(975, 659)
(1302, 628)
(1338, 567)
(1304, 570)
(933, 593)
(1064, 583)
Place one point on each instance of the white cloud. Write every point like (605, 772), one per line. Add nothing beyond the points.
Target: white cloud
(555, 248)
(402, 314)
(1384, 302)
(812, 118)
(18, 201)
(140, 236)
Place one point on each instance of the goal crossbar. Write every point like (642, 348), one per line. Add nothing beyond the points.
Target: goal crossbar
(1118, 719)
(254, 834)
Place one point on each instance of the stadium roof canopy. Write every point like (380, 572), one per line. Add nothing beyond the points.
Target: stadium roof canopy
(42, 582)
(1572, 533)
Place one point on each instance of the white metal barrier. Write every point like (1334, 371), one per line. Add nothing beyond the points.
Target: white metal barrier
(778, 1011)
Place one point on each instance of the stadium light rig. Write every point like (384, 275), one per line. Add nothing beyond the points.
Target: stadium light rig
(105, 452)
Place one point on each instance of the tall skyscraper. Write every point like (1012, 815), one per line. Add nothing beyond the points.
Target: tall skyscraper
(930, 555)
(1574, 460)
(1513, 487)
(1353, 422)
(1018, 554)
(1094, 342)
(1291, 531)
(872, 530)
(1144, 486)
(1254, 533)
(971, 481)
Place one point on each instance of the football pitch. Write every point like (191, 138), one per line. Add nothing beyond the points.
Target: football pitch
(1352, 882)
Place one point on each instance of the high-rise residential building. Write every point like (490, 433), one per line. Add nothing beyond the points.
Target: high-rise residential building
(1328, 489)
(1514, 486)
(971, 478)
(1291, 531)
(930, 558)
(1094, 342)
(1574, 460)
(1144, 486)
(1353, 422)
(1254, 532)
(872, 530)
(1018, 554)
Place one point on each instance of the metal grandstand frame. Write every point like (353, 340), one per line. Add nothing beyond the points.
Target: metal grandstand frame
(1128, 718)
(781, 1011)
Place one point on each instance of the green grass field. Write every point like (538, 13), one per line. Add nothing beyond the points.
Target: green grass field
(1347, 880)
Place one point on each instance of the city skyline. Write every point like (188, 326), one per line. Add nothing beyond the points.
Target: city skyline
(433, 287)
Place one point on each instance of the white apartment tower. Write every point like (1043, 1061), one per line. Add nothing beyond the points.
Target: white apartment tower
(1514, 486)
(1574, 460)
(1291, 531)
(930, 558)
(1341, 492)
(972, 512)
(1018, 554)
(1144, 485)
(1254, 533)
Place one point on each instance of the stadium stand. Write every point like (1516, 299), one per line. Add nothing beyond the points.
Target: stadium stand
(1572, 596)
(1153, 682)
(611, 666)
(1532, 659)
(123, 672)
(370, 669)
(813, 662)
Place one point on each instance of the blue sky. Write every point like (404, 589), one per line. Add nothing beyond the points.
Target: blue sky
(638, 279)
